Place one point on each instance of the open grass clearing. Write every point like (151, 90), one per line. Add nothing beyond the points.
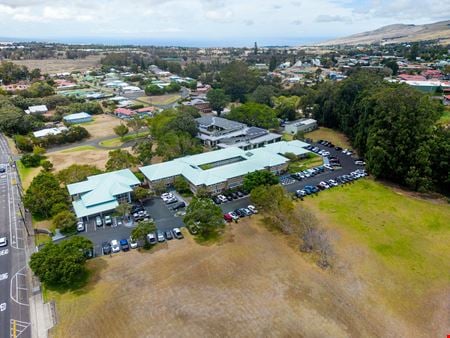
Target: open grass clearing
(400, 245)
(336, 137)
(102, 125)
(118, 141)
(79, 155)
(27, 174)
(80, 148)
(62, 65)
(160, 99)
(303, 164)
(390, 278)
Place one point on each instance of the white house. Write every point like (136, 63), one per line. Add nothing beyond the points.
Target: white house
(41, 109)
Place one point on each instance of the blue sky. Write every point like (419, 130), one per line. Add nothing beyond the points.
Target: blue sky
(215, 22)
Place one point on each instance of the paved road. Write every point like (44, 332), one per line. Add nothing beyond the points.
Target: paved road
(14, 295)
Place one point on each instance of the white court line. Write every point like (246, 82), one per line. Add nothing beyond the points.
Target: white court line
(18, 273)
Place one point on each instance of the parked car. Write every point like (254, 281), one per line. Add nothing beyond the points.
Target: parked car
(240, 193)
(151, 238)
(115, 247)
(133, 243)
(178, 206)
(234, 215)
(167, 196)
(222, 198)
(124, 245)
(216, 200)
(106, 248)
(360, 163)
(253, 209)
(239, 212)
(177, 233)
(247, 212)
(3, 241)
(171, 200)
(234, 195)
(160, 236)
(300, 193)
(108, 220)
(98, 221)
(80, 226)
(227, 217)
(2, 169)
(168, 235)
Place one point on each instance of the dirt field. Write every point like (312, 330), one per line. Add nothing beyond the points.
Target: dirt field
(253, 284)
(62, 65)
(160, 99)
(101, 126)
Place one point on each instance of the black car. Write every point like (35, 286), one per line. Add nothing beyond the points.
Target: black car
(234, 195)
(2, 169)
(216, 200)
(338, 148)
(179, 206)
(229, 197)
(240, 194)
(239, 212)
(106, 248)
(168, 235)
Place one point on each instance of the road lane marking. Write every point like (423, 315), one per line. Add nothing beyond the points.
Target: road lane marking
(3, 276)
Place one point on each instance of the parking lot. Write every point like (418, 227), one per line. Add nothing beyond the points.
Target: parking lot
(162, 214)
(291, 185)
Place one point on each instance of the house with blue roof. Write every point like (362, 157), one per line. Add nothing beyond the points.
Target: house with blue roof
(101, 194)
(77, 118)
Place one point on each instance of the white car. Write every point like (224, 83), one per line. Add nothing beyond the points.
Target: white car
(108, 220)
(133, 243)
(115, 247)
(167, 196)
(80, 226)
(233, 215)
(324, 184)
(3, 241)
(253, 209)
(160, 236)
(151, 238)
(222, 198)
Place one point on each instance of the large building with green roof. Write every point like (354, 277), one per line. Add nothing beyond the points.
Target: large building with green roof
(101, 194)
(224, 169)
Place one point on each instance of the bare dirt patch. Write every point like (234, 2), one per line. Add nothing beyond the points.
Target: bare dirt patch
(251, 285)
(62, 65)
(337, 138)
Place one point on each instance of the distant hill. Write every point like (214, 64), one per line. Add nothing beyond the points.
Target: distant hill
(398, 33)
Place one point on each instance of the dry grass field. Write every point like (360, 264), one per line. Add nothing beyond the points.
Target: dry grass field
(79, 155)
(101, 126)
(160, 99)
(62, 65)
(331, 135)
(256, 283)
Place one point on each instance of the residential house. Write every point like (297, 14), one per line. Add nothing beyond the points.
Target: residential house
(40, 109)
(77, 118)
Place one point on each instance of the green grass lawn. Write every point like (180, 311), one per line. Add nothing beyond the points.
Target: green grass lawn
(26, 174)
(407, 236)
(117, 141)
(80, 148)
(300, 165)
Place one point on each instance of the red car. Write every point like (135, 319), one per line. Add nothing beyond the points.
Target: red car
(227, 217)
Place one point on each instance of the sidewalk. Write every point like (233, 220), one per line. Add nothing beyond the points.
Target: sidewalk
(42, 315)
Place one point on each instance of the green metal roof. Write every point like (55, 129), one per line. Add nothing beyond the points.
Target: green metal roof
(82, 211)
(252, 160)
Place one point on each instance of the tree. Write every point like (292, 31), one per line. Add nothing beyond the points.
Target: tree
(31, 160)
(206, 215)
(286, 107)
(141, 194)
(77, 173)
(182, 123)
(123, 209)
(217, 99)
(120, 159)
(259, 178)
(121, 130)
(62, 265)
(143, 151)
(143, 228)
(237, 80)
(43, 193)
(65, 221)
(47, 165)
(136, 122)
(173, 145)
(159, 187)
(392, 64)
(273, 63)
(153, 89)
(254, 114)
(181, 185)
(263, 94)
(23, 143)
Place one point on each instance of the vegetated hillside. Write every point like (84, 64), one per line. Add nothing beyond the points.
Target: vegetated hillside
(398, 33)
